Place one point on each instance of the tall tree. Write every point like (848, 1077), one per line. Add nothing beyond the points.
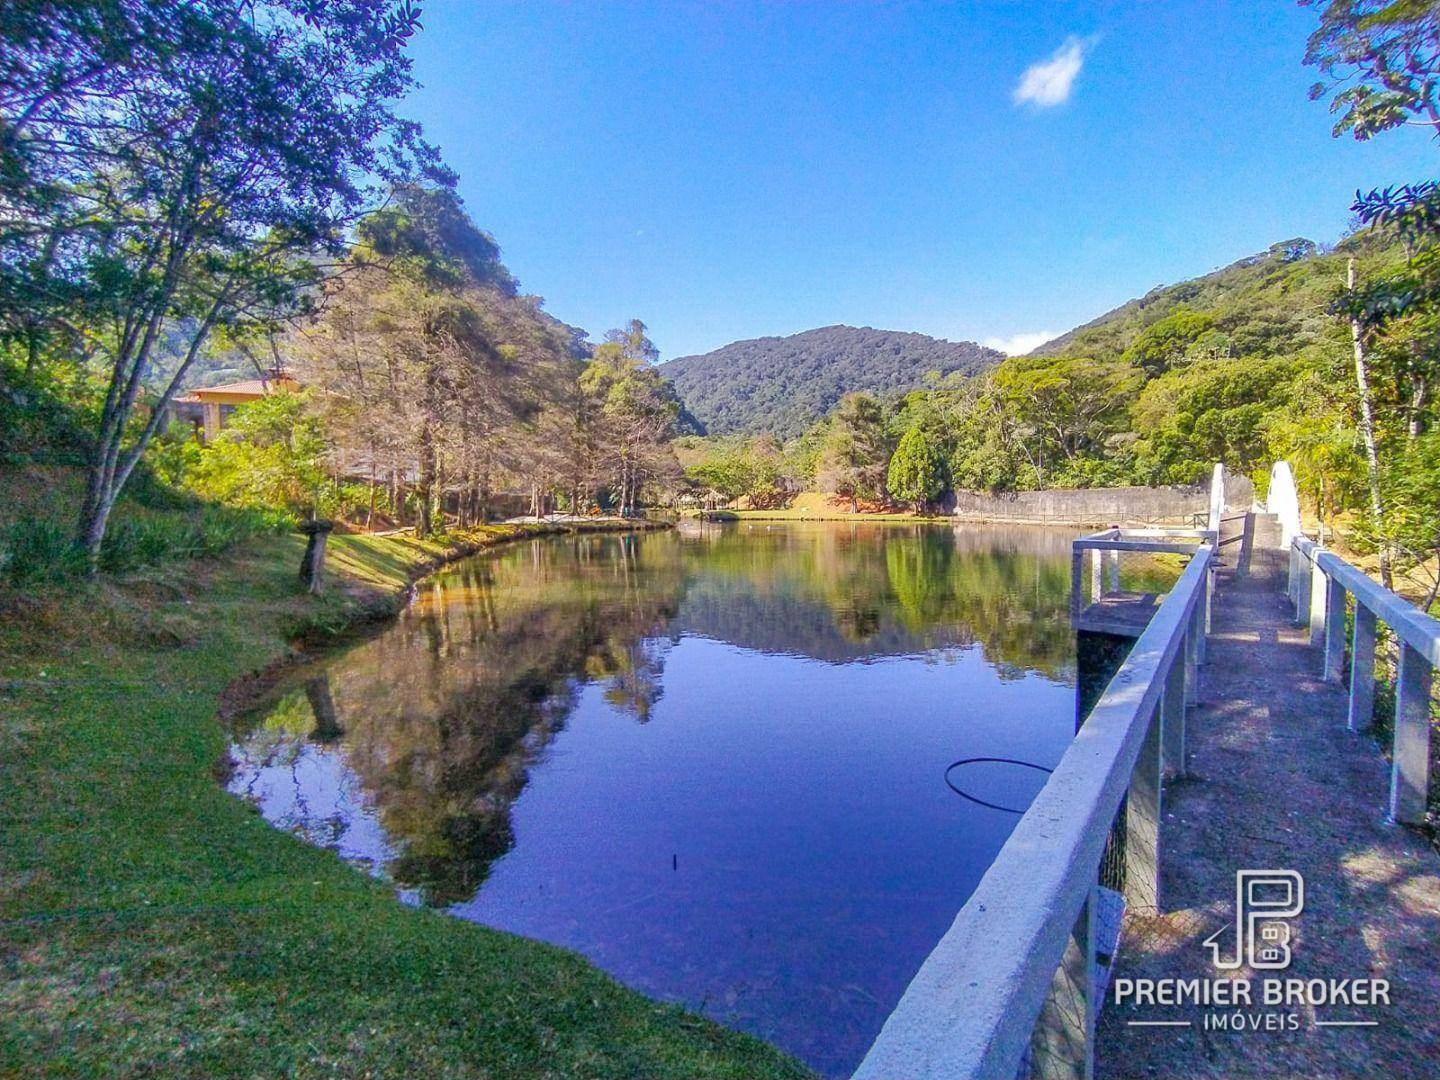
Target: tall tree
(855, 452)
(433, 363)
(1381, 67)
(917, 469)
(1072, 404)
(637, 407)
(190, 165)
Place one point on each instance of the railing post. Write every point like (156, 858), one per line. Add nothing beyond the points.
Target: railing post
(1209, 601)
(1063, 1042)
(1362, 670)
(1410, 768)
(1334, 665)
(1199, 622)
(1247, 547)
(1172, 707)
(1192, 666)
(1097, 583)
(1303, 573)
(1112, 558)
(1318, 590)
(1077, 581)
(1142, 824)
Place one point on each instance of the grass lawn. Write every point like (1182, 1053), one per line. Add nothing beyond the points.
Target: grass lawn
(152, 924)
(817, 506)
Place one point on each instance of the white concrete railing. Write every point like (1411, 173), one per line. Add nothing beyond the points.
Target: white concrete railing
(1283, 500)
(1319, 583)
(1012, 980)
(1104, 548)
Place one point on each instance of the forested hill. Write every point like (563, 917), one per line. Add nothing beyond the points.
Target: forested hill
(1265, 304)
(781, 385)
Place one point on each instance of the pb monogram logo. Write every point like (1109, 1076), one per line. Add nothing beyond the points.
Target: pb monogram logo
(1264, 900)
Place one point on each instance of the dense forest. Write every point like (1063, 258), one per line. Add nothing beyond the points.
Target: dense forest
(1267, 302)
(781, 385)
(1151, 392)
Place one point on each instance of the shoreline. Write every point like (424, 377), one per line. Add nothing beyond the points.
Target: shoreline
(156, 923)
(372, 613)
(735, 516)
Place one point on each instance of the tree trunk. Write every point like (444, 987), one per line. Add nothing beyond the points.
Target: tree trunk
(426, 487)
(374, 486)
(1367, 432)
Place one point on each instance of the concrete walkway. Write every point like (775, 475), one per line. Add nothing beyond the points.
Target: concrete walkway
(1277, 782)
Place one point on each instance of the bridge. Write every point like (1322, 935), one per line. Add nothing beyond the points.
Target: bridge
(1228, 725)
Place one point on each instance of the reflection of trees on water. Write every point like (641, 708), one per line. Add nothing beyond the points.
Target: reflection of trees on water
(840, 593)
(444, 714)
(439, 719)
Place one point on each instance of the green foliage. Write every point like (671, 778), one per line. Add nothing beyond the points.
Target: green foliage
(425, 233)
(35, 551)
(138, 539)
(1212, 410)
(271, 455)
(180, 167)
(1068, 406)
(754, 468)
(47, 413)
(635, 410)
(1379, 62)
(1242, 366)
(855, 451)
(782, 385)
(1169, 341)
(917, 469)
(1411, 525)
(1271, 303)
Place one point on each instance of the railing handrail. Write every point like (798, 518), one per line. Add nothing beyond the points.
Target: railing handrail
(1320, 585)
(971, 1009)
(1413, 626)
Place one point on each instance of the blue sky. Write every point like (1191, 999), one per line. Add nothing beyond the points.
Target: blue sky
(728, 170)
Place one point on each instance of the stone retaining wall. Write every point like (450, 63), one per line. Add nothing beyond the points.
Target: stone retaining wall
(1102, 506)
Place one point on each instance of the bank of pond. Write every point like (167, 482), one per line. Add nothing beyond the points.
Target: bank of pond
(752, 768)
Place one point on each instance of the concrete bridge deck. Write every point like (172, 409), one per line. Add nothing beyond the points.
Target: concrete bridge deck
(1276, 781)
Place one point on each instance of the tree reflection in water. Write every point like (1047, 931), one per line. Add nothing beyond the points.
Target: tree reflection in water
(792, 784)
(443, 713)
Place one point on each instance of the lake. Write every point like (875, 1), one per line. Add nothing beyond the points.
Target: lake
(720, 761)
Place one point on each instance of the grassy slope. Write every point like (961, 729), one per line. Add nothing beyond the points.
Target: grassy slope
(151, 923)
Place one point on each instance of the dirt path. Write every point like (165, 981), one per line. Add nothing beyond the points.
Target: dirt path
(1277, 782)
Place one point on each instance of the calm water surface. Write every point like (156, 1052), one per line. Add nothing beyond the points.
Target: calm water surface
(713, 761)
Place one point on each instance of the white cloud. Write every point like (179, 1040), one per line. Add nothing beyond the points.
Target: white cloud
(1020, 344)
(1049, 82)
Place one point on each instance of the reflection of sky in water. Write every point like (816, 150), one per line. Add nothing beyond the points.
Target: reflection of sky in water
(309, 789)
(688, 796)
(778, 842)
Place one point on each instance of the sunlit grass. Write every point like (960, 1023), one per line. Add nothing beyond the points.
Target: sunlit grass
(154, 924)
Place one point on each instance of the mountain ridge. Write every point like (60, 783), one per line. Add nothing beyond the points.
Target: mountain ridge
(781, 384)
